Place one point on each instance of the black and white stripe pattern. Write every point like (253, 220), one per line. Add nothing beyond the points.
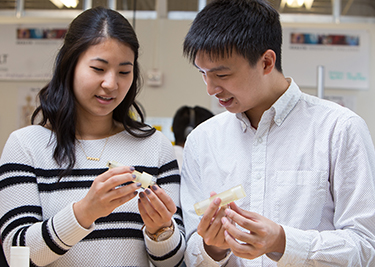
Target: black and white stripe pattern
(36, 207)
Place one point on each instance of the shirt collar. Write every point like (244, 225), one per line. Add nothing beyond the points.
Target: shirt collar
(244, 121)
(281, 107)
(284, 105)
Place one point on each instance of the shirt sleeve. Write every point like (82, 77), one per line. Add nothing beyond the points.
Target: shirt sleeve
(191, 193)
(173, 246)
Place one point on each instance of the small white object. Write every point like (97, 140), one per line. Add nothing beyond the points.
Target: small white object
(154, 78)
(144, 178)
(19, 257)
(226, 197)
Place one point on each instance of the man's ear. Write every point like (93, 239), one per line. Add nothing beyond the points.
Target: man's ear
(269, 60)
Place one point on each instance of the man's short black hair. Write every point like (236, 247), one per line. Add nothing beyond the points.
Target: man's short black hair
(247, 27)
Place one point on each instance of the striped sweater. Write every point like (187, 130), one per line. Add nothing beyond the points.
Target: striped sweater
(36, 209)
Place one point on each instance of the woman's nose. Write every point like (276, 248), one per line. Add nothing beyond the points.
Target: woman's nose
(110, 81)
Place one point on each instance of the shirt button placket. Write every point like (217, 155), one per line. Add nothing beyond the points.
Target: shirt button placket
(258, 170)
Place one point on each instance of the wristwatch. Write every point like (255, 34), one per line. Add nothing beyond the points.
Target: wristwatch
(162, 234)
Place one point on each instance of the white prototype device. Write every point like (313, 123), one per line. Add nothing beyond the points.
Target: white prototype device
(19, 256)
(144, 178)
(226, 197)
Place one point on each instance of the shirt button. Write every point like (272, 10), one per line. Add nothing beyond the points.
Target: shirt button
(278, 121)
(243, 125)
(260, 140)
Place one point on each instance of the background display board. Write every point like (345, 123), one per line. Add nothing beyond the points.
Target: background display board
(344, 54)
(28, 52)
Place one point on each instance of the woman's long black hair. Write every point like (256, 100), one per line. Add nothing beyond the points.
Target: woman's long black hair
(57, 100)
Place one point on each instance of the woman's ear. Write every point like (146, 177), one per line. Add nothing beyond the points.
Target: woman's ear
(269, 60)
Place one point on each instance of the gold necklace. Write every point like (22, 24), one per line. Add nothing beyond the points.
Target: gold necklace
(101, 153)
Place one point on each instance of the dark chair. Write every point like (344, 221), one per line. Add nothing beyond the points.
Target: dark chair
(3, 262)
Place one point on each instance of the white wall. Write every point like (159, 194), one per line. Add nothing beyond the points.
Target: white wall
(161, 47)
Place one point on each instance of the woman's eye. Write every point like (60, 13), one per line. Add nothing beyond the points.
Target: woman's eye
(125, 72)
(95, 68)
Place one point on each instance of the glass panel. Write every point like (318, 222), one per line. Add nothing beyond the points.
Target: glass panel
(183, 5)
(47, 4)
(364, 8)
(141, 5)
(95, 3)
(7, 4)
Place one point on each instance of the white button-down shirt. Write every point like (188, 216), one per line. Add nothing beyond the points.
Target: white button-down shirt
(309, 166)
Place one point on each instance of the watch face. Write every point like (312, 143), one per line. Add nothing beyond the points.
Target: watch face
(165, 235)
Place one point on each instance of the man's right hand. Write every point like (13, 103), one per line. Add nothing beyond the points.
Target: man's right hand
(211, 230)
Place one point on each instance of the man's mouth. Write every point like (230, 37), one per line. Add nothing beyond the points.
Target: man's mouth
(226, 102)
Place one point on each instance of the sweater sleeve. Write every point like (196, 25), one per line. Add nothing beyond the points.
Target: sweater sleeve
(21, 212)
(171, 251)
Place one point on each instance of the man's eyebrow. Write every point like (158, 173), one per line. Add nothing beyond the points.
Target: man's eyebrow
(106, 62)
(218, 68)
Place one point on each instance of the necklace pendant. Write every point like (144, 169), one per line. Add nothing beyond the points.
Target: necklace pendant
(92, 158)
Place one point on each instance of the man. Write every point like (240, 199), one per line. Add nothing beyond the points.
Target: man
(307, 164)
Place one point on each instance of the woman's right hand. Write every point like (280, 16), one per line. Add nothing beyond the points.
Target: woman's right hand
(105, 195)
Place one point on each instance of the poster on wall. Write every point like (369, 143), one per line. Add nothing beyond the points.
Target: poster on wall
(162, 124)
(344, 54)
(27, 102)
(28, 51)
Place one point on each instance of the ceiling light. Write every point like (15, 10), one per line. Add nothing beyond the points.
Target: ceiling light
(67, 3)
(296, 3)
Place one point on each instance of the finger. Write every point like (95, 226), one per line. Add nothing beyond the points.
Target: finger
(122, 191)
(115, 171)
(145, 217)
(250, 222)
(123, 199)
(118, 180)
(164, 198)
(212, 193)
(245, 213)
(147, 205)
(155, 207)
(235, 232)
(210, 213)
(215, 233)
(102, 190)
(243, 250)
(120, 195)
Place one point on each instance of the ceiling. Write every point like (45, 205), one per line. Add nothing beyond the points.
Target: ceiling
(365, 8)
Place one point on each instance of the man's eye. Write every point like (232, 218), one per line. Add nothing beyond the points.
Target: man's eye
(222, 75)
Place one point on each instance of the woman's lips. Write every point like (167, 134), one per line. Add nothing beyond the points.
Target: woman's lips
(104, 99)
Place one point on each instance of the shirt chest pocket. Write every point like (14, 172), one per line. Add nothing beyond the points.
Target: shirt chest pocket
(300, 197)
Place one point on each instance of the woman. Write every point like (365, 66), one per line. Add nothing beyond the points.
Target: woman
(57, 196)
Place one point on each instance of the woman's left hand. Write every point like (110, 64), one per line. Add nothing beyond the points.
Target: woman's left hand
(156, 208)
